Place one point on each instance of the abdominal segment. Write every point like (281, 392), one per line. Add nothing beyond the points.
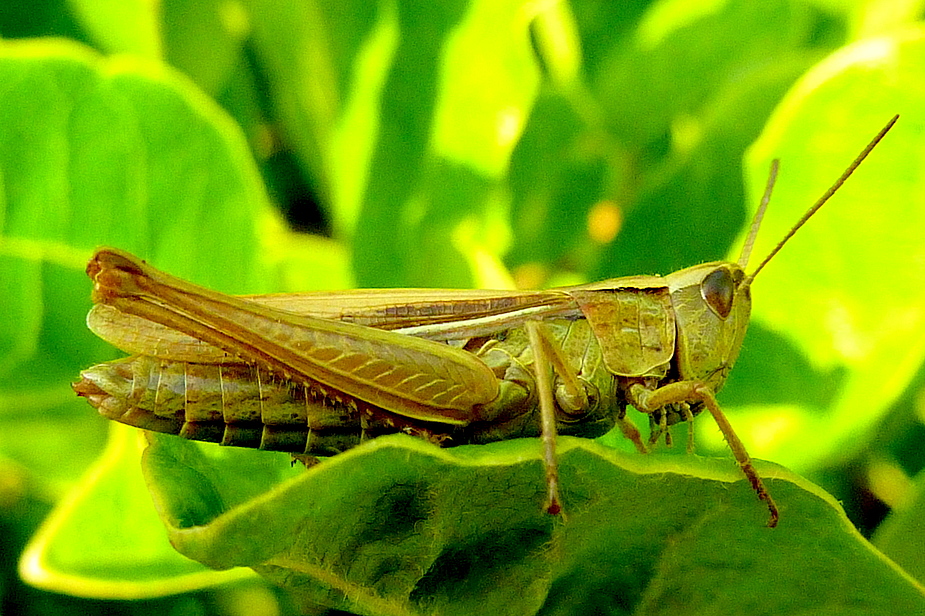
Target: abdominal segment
(231, 404)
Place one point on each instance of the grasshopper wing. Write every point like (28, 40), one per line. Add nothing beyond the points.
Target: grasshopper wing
(411, 376)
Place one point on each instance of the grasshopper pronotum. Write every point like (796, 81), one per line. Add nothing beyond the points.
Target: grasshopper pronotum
(316, 373)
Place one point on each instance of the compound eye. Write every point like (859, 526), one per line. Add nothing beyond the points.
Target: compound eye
(718, 290)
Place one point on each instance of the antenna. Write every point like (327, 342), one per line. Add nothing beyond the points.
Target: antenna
(759, 215)
(818, 204)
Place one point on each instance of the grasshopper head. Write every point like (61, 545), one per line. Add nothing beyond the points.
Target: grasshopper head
(712, 303)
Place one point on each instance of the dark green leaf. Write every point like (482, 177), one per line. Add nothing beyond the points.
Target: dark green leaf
(398, 526)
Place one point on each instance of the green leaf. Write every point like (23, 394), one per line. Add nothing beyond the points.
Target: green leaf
(399, 526)
(683, 51)
(204, 39)
(901, 534)
(121, 26)
(328, 63)
(104, 540)
(658, 137)
(444, 142)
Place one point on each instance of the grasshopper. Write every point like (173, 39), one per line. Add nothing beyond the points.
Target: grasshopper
(317, 373)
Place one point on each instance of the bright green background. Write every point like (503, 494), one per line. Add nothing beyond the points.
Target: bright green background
(446, 144)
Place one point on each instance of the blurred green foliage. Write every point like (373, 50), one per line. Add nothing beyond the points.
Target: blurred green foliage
(446, 144)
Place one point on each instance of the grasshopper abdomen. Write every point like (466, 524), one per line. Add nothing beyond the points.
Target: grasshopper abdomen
(232, 404)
